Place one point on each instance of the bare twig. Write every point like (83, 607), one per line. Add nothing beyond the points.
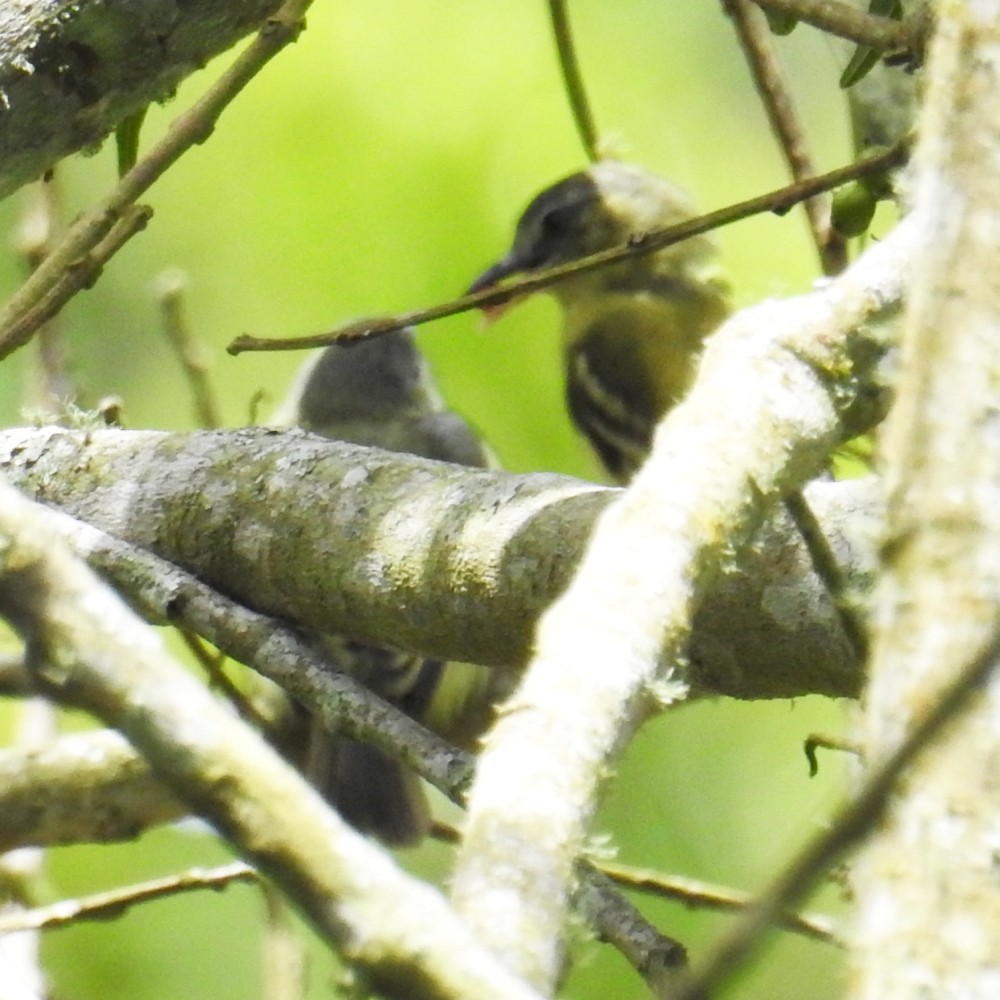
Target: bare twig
(90, 651)
(166, 593)
(659, 959)
(576, 93)
(114, 902)
(55, 287)
(52, 284)
(756, 41)
(695, 894)
(829, 570)
(849, 825)
(616, 921)
(191, 352)
(847, 21)
(39, 230)
(219, 680)
(778, 201)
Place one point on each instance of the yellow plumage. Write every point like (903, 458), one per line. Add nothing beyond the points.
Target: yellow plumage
(633, 331)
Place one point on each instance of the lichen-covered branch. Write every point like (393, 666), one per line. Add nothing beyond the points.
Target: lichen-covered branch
(937, 600)
(97, 234)
(88, 650)
(72, 70)
(433, 558)
(83, 787)
(770, 401)
(165, 594)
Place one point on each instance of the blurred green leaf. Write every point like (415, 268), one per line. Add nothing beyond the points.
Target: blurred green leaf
(127, 141)
(865, 57)
(780, 22)
(853, 209)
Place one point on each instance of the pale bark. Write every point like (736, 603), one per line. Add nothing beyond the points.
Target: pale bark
(777, 388)
(87, 650)
(72, 70)
(927, 888)
(429, 557)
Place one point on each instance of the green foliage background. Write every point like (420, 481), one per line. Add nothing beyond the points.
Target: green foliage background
(379, 165)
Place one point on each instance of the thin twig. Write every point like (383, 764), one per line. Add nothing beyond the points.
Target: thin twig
(191, 352)
(220, 681)
(853, 821)
(695, 894)
(615, 920)
(662, 961)
(37, 232)
(778, 201)
(847, 21)
(58, 287)
(816, 740)
(576, 93)
(50, 287)
(114, 902)
(829, 570)
(756, 41)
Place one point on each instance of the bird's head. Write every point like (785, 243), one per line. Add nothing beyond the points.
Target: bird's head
(378, 379)
(593, 210)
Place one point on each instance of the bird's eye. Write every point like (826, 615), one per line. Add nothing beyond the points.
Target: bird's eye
(551, 237)
(555, 223)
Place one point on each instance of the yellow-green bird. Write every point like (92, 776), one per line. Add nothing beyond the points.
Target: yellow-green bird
(633, 331)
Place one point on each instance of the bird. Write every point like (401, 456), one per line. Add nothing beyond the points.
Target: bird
(633, 330)
(379, 392)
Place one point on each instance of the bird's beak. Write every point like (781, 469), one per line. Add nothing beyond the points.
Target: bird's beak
(490, 278)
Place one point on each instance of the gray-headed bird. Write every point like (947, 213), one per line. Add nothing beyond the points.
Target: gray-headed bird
(632, 331)
(379, 392)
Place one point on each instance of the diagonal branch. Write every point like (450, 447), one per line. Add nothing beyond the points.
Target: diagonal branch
(422, 555)
(89, 651)
(758, 48)
(72, 70)
(788, 372)
(778, 202)
(50, 286)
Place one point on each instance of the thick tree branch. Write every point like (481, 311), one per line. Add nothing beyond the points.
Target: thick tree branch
(97, 234)
(939, 591)
(84, 787)
(614, 646)
(72, 70)
(432, 558)
(89, 651)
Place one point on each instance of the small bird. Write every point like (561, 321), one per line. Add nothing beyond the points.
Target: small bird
(632, 331)
(379, 392)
